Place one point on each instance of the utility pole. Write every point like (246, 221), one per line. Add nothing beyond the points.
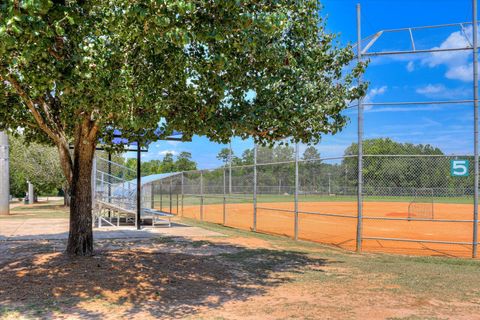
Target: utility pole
(4, 175)
(31, 193)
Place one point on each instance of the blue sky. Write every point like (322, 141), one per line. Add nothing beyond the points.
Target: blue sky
(426, 77)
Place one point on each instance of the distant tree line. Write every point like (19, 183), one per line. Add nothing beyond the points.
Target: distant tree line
(388, 167)
(182, 162)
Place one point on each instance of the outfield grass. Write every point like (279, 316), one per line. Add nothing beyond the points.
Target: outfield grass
(248, 198)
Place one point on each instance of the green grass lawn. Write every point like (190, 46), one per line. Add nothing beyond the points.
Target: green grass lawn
(428, 277)
(248, 198)
(50, 210)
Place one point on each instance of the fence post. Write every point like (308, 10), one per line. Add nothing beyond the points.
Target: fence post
(360, 141)
(475, 130)
(161, 195)
(255, 187)
(201, 195)
(94, 181)
(182, 182)
(224, 197)
(109, 181)
(102, 183)
(296, 192)
(152, 195)
(230, 156)
(171, 195)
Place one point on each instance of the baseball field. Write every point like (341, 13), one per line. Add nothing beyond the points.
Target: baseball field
(387, 225)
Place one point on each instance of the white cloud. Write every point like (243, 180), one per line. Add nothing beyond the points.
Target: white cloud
(463, 72)
(431, 89)
(410, 66)
(456, 62)
(173, 143)
(165, 152)
(372, 94)
(380, 109)
(439, 91)
(375, 92)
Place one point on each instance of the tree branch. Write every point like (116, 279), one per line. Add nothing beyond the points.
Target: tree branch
(57, 135)
(31, 106)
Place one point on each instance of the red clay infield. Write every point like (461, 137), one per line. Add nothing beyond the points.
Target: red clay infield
(341, 231)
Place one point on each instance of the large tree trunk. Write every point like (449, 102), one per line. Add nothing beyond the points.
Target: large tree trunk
(80, 238)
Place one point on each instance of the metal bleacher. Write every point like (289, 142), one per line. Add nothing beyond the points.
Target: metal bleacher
(115, 197)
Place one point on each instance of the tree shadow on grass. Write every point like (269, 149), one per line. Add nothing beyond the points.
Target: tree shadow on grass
(170, 279)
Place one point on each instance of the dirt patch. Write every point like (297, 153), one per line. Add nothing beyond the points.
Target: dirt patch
(170, 279)
(244, 242)
(229, 278)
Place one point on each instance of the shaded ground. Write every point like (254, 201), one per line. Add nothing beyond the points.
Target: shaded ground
(158, 278)
(240, 275)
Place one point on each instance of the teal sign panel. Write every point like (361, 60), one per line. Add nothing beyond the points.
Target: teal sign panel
(459, 168)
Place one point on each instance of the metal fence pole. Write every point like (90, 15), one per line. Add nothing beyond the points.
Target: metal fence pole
(94, 182)
(475, 126)
(201, 195)
(296, 192)
(171, 195)
(109, 181)
(139, 187)
(102, 183)
(152, 196)
(182, 182)
(230, 156)
(255, 187)
(360, 140)
(224, 197)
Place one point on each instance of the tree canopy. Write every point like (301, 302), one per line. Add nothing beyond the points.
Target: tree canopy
(193, 64)
(73, 71)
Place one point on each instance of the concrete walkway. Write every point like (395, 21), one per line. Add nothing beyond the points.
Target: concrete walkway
(57, 229)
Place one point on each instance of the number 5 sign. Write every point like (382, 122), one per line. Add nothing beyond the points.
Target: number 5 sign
(459, 168)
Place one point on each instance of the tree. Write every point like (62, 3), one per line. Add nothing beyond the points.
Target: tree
(311, 153)
(36, 163)
(72, 72)
(247, 157)
(151, 167)
(311, 172)
(184, 162)
(224, 155)
(168, 164)
(396, 169)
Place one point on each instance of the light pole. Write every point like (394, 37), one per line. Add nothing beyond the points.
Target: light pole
(4, 175)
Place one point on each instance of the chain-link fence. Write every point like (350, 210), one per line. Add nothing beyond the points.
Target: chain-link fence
(409, 199)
